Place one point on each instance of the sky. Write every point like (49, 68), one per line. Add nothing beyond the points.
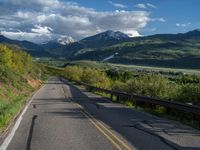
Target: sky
(43, 20)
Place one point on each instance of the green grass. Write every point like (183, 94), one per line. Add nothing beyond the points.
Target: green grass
(51, 61)
(11, 103)
(87, 63)
(94, 64)
(10, 109)
(150, 68)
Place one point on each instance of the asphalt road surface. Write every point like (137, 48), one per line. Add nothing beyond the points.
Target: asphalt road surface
(62, 116)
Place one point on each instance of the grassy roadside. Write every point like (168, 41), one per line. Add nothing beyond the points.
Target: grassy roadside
(13, 99)
(19, 77)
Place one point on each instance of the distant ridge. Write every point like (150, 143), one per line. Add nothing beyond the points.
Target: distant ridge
(180, 50)
(108, 35)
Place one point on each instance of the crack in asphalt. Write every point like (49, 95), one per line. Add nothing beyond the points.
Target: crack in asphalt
(28, 143)
(138, 127)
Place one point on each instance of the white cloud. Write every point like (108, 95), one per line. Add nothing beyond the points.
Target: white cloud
(132, 33)
(119, 5)
(42, 30)
(35, 3)
(151, 5)
(162, 20)
(143, 6)
(24, 15)
(157, 19)
(34, 37)
(183, 24)
(37, 20)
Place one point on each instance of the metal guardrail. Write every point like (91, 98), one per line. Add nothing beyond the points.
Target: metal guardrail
(153, 102)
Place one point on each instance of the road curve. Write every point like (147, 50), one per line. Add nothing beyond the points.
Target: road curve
(62, 116)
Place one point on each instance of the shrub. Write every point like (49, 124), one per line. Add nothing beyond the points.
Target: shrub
(16, 65)
(119, 86)
(152, 85)
(73, 73)
(95, 77)
(189, 93)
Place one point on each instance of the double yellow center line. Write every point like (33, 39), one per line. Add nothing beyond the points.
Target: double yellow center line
(118, 143)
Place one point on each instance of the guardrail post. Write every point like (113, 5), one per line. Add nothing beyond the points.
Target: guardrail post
(111, 97)
(117, 98)
(136, 106)
(198, 120)
(89, 89)
(194, 118)
(167, 110)
(153, 106)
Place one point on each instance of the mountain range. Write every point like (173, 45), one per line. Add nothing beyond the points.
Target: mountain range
(180, 50)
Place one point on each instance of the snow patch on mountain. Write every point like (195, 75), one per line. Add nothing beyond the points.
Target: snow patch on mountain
(65, 40)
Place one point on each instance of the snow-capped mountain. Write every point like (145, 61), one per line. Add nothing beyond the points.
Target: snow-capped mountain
(109, 35)
(65, 40)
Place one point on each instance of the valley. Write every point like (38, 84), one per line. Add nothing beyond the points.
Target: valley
(163, 50)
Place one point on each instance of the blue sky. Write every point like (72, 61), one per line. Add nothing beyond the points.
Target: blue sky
(43, 20)
(183, 12)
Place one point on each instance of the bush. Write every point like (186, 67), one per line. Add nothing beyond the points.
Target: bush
(189, 93)
(152, 85)
(73, 73)
(95, 77)
(119, 86)
(87, 75)
(17, 66)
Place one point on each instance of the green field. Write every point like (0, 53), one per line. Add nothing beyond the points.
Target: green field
(94, 64)
(149, 68)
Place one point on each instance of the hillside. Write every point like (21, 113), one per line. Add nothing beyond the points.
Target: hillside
(166, 50)
(32, 48)
(19, 77)
(180, 50)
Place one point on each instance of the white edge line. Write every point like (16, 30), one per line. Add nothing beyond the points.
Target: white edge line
(15, 127)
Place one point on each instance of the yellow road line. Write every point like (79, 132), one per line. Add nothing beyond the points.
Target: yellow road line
(109, 138)
(65, 93)
(99, 126)
(119, 140)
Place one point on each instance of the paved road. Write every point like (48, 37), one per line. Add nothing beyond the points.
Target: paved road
(65, 117)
